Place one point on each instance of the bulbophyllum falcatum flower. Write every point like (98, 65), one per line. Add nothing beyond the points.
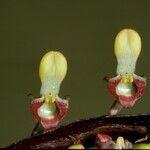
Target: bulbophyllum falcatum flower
(49, 109)
(127, 87)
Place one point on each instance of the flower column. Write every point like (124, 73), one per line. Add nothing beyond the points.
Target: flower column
(50, 108)
(126, 87)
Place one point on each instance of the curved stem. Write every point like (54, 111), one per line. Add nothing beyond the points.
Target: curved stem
(131, 127)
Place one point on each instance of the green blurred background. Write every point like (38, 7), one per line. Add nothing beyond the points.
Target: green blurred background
(84, 31)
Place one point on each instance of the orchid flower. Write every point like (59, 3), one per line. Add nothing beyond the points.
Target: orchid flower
(49, 109)
(127, 87)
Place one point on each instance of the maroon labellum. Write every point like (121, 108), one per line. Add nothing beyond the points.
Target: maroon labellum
(127, 93)
(49, 120)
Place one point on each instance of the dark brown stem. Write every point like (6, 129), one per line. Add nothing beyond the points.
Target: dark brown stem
(131, 127)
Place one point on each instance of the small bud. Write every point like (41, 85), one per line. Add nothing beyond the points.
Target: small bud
(76, 146)
(127, 49)
(141, 146)
(52, 71)
(120, 143)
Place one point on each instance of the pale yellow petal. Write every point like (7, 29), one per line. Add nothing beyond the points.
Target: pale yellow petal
(127, 48)
(52, 71)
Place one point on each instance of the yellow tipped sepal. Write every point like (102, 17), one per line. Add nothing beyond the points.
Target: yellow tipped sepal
(76, 146)
(52, 71)
(127, 49)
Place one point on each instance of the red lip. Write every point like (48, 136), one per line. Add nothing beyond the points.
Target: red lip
(127, 101)
(51, 121)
